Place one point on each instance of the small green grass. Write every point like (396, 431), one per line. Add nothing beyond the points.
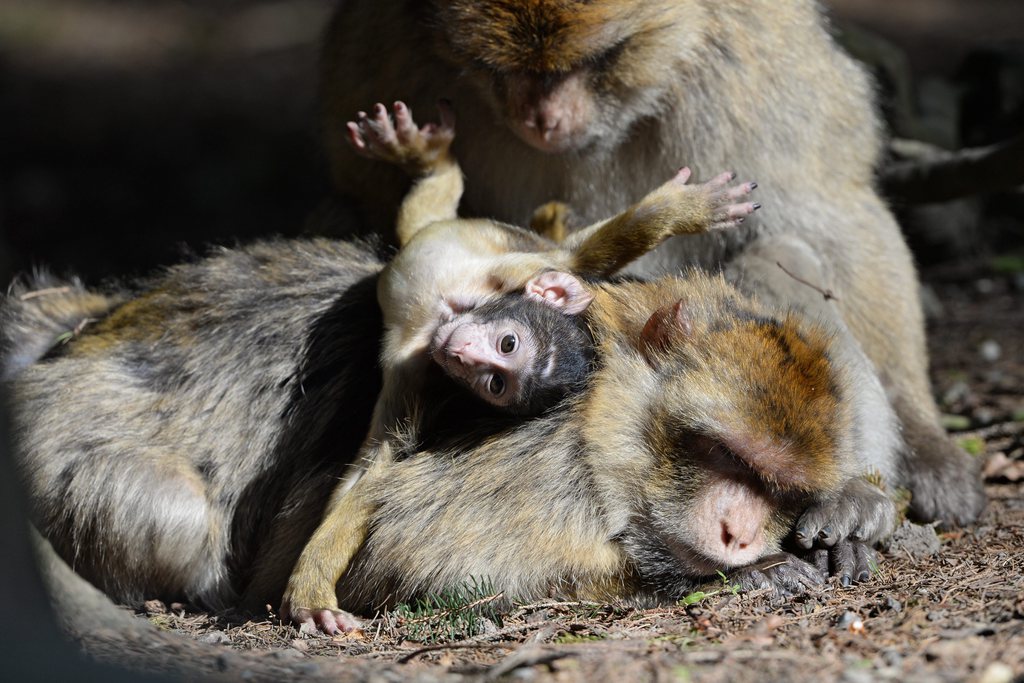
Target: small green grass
(454, 614)
(975, 445)
(698, 596)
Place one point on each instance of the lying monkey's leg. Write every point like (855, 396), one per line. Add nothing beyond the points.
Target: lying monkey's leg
(423, 152)
(675, 208)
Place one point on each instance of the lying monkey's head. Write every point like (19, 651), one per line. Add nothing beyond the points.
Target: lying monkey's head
(739, 419)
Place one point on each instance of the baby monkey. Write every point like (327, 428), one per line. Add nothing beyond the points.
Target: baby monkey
(518, 353)
(438, 296)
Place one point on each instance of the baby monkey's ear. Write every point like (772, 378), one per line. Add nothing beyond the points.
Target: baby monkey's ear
(666, 325)
(563, 291)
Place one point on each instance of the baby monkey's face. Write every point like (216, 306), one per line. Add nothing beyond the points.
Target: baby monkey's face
(490, 357)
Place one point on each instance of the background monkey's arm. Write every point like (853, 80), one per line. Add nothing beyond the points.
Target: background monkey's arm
(675, 208)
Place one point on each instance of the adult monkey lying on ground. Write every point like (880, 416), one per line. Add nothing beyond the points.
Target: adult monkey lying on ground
(445, 270)
(598, 100)
(184, 443)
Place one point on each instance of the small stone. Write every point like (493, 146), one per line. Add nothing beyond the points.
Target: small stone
(215, 638)
(956, 393)
(917, 540)
(847, 621)
(985, 285)
(225, 661)
(996, 672)
(990, 351)
(892, 658)
(857, 676)
(984, 415)
(893, 605)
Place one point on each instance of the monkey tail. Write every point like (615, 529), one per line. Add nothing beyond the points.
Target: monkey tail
(41, 310)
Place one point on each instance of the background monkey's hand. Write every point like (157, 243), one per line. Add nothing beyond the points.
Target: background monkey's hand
(398, 140)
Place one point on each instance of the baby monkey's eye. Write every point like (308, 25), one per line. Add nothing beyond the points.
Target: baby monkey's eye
(497, 385)
(508, 343)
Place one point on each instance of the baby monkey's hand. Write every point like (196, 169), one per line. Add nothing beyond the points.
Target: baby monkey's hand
(724, 199)
(398, 140)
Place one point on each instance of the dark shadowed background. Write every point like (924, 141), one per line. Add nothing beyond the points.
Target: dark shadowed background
(131, 131)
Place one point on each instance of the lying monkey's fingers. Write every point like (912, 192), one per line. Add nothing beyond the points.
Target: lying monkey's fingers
(843, 562)
(741, 210)
(405, 127)
(727, 224)
(865, 562)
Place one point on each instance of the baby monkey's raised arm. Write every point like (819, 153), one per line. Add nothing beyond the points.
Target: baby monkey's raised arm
(477, 297)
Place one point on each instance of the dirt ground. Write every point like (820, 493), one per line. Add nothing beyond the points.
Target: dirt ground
(942, 607)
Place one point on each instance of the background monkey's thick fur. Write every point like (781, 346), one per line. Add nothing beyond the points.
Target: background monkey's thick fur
(185, 443)
(753, 85)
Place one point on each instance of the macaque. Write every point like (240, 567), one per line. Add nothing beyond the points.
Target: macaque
(592, 103)
(173, 427)
(447, 266)
(183, 443)
(517, 353)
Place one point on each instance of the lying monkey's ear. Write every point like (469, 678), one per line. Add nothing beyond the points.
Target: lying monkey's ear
(563, 291)
(666, 324)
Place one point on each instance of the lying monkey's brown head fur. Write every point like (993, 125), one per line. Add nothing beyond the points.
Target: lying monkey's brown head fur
(764, 386)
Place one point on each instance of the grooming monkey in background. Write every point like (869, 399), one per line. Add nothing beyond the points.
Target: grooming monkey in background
(592, 103)
(183, 442)
(431, 295)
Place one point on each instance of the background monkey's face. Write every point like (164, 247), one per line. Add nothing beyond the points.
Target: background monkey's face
(568, 75)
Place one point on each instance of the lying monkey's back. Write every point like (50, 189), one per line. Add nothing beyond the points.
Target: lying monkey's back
(157, 444)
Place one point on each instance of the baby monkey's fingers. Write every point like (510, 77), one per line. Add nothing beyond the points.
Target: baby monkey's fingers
(329, 621)
(373, 136)
(405, 127)
(728, 211)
